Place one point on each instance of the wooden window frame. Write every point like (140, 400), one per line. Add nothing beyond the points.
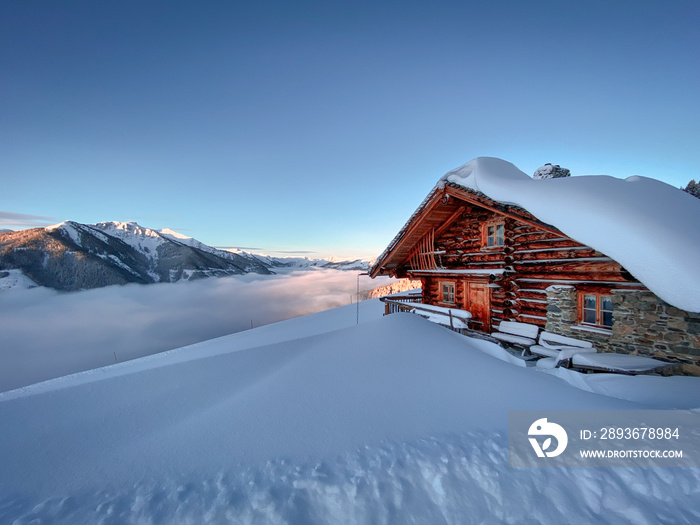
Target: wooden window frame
(441, 292)
(495, 223)
(599, 311)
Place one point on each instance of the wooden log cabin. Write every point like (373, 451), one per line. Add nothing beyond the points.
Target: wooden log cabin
(502, 263)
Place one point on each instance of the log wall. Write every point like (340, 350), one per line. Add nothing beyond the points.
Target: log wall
(532, 259)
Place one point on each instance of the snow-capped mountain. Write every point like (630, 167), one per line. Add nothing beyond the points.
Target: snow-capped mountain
(302, 263)
(73, 256)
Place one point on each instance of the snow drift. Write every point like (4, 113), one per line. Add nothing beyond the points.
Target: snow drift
(396, 420)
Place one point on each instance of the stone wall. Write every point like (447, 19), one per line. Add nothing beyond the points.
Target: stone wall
(643, 324)
(562, 318)
(561, 309)
(646, 325)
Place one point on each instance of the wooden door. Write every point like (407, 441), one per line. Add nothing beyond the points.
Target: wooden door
(477, 301)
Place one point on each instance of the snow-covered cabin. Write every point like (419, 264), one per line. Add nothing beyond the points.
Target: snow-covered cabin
(612, 261)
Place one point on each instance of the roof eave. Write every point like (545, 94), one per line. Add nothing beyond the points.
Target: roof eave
(428, 204)
(384, 264)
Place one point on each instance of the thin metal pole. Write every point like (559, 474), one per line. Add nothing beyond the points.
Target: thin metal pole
(357, 297)
(357, 300)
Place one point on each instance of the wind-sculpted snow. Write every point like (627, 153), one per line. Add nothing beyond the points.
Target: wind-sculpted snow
(460, 479)
(396, 420)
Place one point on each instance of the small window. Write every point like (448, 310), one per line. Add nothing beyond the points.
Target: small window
(494, 234)
(590, 309)
(447, 292)
(596, 309)
(606, 310)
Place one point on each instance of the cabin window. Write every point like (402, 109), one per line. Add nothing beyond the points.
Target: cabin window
(493, 234)
(447, 292)
(596, 309)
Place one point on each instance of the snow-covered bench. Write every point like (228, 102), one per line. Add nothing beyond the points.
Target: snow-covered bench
(551, 345)
(618, 363)
(514, 333)
(558, 350)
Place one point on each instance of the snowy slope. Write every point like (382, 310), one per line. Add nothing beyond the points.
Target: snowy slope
(143, 240)
(648, 226)
(274, 263)
(14, 278)
(135, 235)
(393, 421)
(254, 262)
(149, 242)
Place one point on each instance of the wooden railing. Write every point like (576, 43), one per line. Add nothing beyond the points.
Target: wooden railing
(399, 303)
(455, 319)
(461, 320)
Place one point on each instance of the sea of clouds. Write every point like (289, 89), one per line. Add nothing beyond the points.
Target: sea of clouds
(46, 334)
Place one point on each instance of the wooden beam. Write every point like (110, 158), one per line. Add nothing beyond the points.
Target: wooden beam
(417, 220)
(449, 222)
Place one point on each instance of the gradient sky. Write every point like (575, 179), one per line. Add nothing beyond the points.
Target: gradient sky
(320, 126)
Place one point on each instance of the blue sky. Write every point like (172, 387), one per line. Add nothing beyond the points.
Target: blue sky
(320, 126)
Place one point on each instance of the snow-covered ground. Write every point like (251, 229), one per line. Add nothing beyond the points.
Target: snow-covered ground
(319, 420)
(14, 279)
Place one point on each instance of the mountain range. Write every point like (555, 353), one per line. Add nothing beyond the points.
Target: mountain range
(72, 256)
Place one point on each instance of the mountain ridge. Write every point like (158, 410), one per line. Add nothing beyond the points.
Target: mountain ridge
(71, 256)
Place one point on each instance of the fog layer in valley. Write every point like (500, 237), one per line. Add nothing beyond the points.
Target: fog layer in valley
(46, 334)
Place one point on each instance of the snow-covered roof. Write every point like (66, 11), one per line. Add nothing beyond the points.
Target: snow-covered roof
(648, 226)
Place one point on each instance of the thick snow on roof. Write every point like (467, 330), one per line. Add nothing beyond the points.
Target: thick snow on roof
(648, 226)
